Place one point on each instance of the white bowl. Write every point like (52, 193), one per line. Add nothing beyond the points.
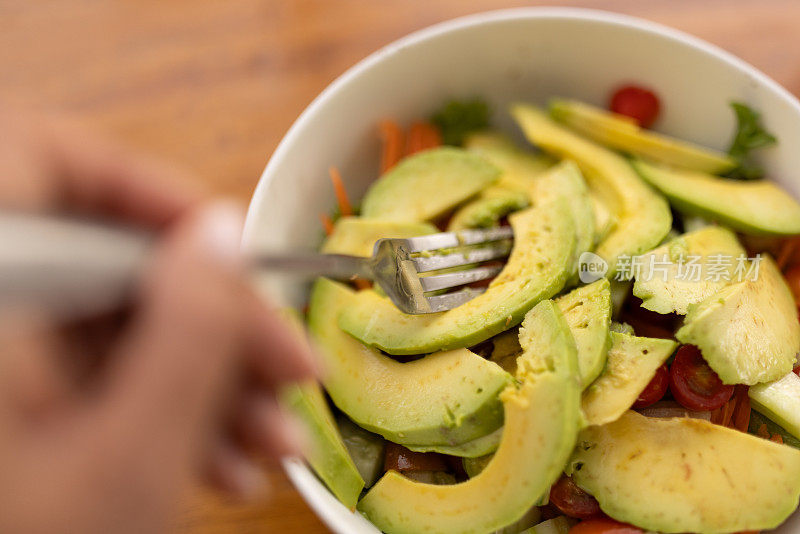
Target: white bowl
(504, 56)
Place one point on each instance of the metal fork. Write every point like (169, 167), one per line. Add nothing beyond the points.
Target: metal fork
(74, 267)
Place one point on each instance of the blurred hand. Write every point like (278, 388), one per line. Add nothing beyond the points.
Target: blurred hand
(104, 423)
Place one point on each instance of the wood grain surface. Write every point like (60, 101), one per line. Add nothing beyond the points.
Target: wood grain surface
(213, 85)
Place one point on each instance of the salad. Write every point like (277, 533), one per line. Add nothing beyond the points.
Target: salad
(632, 367)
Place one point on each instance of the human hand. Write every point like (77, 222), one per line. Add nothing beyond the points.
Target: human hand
(104, 423)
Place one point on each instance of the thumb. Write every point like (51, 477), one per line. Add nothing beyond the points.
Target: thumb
(185, 345)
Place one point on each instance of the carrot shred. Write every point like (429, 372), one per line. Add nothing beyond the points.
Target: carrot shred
(727, 412)
(786, 252)
(345, 208)
(362, 283)
(393, 144)
(327, 223)
(763, 431)
(716, 416)
(741, 414)
(422, 136)
(777, 438)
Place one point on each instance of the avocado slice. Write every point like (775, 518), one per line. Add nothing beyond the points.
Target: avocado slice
(642, 216)
(327, 454)
(492, 204)
(543, 409)
(670, 279)
(748, 332)
(472, 449)
(587, 311)
(538, 267)
(447, 398)
(519, 167)
(632, 363)
(625, 135)
(753, 207)
(428, 184)
(779, 401)
(686, 475)
(356, 235)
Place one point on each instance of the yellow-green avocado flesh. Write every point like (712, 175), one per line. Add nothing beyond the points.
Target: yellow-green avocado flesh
(779, 401)
(542, 417)
(642, 215)
(446, 398)
(625, 135)
(356, 236)
(428, 184)
(753, 207)
(748, 332)
(538, 267)
(686, 475)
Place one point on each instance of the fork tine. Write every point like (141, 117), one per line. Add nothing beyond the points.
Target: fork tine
(448, 301)
(445, 281)
(436, 262)
(457, 239)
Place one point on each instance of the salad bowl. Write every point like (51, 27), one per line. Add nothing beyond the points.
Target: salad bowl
(528, 54)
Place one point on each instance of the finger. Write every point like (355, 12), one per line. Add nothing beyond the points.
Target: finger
(231, 471)
(266, 430)
(279, 350)
(105, 179)
(186, 343)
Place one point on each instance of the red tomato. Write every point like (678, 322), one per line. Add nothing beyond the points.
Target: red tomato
(655, 390)
(401, 459)
(694, 384)
(636, 102)
(796, 371)
(793, 281)
(572, 500)
(604, 526)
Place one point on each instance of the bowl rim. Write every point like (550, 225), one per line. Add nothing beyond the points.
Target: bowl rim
(296, 470)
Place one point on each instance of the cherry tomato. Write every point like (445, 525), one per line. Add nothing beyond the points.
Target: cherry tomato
(655, 390)
(793, 281)
(604, 526)
(572, 500)
(401, 459)
(636, 102)
(796, 371)
(694, 384)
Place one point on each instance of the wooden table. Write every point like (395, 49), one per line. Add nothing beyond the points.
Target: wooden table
(214, 84)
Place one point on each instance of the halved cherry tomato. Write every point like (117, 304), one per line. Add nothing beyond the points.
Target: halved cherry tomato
(572, 500)
(796, 371)
(401, 459)
(655, 390)
(636, 102)
(604, 526)
(694, 384)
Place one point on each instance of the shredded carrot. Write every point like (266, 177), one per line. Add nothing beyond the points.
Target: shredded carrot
(716, 416)
(345, 208)
(727, 412)
(362, 283)
(392, 137)
(422, 136)
(777, 438)
(763, 431)
(741, 414)
(327, 223)
(786, 252)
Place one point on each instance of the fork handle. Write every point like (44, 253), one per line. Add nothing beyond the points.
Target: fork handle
(73, 268)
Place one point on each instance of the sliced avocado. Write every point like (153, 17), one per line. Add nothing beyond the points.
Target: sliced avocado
(492, 204)
(327, 454)
(428, 184)
(506, 350)
(686, 475)
(365, 448)
(587, 311)
(474, 466)
(519, 167)
(748, 332)
(771, 427)
(356, 236)
(543, 409)
(780, 401)
(447, 398)
(538, 267)
(604, 220)
(632, 363)
(642, 216)
(617, 132)
(687, 270)
(621, 328)
(757, 207)
(471, 449)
